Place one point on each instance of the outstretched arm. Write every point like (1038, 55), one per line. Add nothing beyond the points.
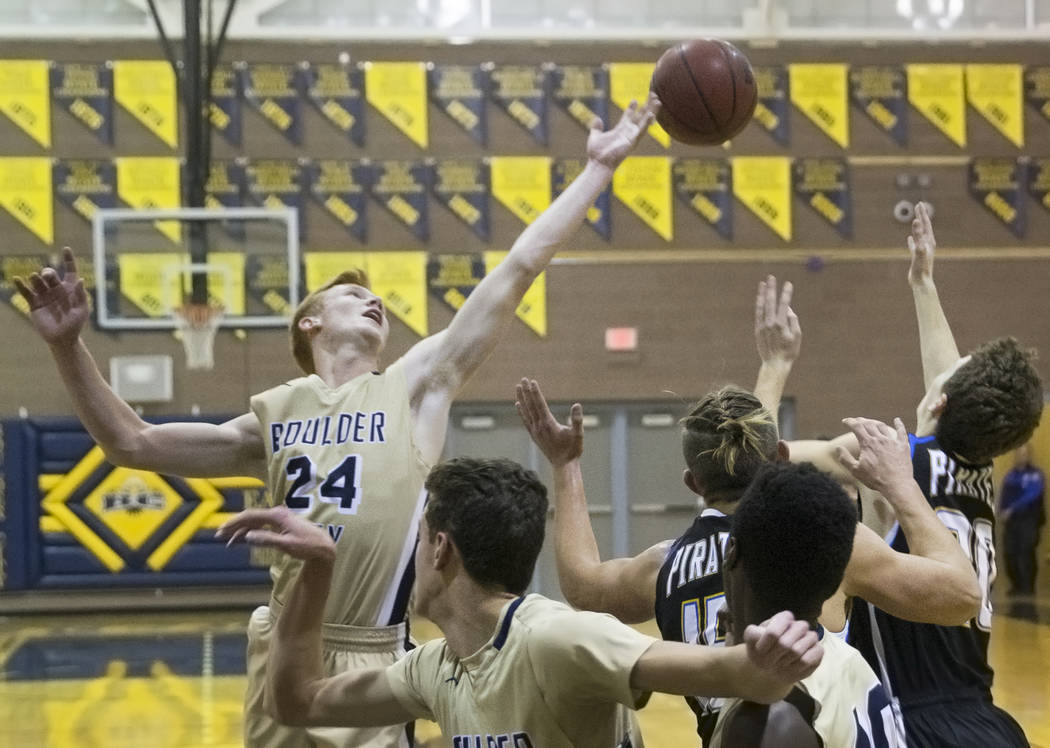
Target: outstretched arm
(59, 309)
(623, 587)
(297, 691)
(936, 341)
(778, 338)
(934, 582)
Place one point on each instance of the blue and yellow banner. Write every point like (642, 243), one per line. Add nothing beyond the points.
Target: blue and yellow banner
(451, 278)
(630, 81)
(820, 92)
(268, 283)
(86, 92)
(321, 267)
(25, 193)
(400, 278)
(147, 90)
(341, 188)
(763, 185)
(463, 186)
(1039, 181)
(401, 188)
(398, 90)
(152, 183)
(599, 215)
(19, 266)
(85, 185)
(533, 307)
(224, 112)
(643, 184)
(277, 183)
(997, 93)
(881, 92)
(521, 91)
(25, 97)
(522, 184)
(582, 91)
(706, 186)
(273, 91)
(337, 90)
(938, 92)
(226, 187)
(998, 184)
(771, 111)
(823, 185)
(1037, 89)
(460, 92)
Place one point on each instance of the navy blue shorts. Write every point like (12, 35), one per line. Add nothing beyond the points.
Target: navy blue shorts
(967, 723)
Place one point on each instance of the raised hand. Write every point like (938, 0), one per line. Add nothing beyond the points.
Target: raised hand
(610, 147)
(885, 454)
(560, 444)
(783, 648)
(922, 245)
(58, 307)
(290, 533)
(778, 334)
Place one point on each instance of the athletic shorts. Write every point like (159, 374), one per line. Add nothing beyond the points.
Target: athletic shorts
(343, 647)
(965, 723)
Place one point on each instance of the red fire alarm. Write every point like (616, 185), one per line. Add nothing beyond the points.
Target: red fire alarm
(621, 338)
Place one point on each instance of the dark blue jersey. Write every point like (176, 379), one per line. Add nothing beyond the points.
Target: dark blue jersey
(689, 594)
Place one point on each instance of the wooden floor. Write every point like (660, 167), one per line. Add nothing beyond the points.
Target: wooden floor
(173, 680)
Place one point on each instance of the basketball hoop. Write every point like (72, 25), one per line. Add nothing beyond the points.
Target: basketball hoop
(196, 324)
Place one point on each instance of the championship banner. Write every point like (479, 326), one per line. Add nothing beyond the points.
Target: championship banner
(881, 93)
(277, 183)
(451, 278)
(521, 91)
(226, 187)
(401, 188)
(152, 183)
(459, 91)
(643, 184)
(149, 280)
(399, 91)
(533, 307)
(21, 266)
(341, 188)
(763, 185)
(463, 186)
(146, 89)
(937, 91)
(998, 184)
(823, 184)
(820, 93)
(400, 278)
(224, 112)
(273, 90)
(771, 111)
(321, 267)
(86, 92)
(997, 92)
(706, 186)
(1037, 89)
(25, 97)
(84, 186)
(25, 193)
(1039, 180)
(337, 90)
(267, 278)
(599, 215)
(630, 80)
(582, 91)
(522, 184)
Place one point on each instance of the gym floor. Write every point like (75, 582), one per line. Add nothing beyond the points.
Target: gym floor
(116, 680)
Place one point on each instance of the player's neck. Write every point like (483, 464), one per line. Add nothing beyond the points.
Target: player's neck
(340, 367)
(470, 616)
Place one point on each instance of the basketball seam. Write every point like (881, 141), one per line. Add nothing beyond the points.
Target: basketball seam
(696, 86)
(732, 77)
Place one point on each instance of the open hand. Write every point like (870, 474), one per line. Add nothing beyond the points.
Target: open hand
(560, 443)
(778, 334)
(885, 454)
(922, 245)
(290, 533)
(58, 307)
(611, 147)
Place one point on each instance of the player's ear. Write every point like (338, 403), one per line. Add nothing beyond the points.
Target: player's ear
(309, 323)
(443, 550)
(691, 482)
(783, 451)
(729, 559)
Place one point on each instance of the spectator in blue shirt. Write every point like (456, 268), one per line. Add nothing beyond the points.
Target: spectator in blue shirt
(1022, 512)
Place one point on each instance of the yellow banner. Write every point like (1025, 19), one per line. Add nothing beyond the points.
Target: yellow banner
(400, 278)
(25, 97)
(150, 280)
(146, 88)
(226, 286)
(937, 92)
(997, 92)
(399, 91)
(763, 184)
(151, 182)
(643, 184)
(522, 184)
(321, 267)
(533, 307)
(25, 193)
(821, 93)
(630, 80)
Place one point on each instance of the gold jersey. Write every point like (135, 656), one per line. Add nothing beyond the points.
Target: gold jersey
(345, 459)
(550, 676)
(851, 708)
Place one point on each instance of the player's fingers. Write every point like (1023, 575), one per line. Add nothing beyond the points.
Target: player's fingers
(79, 292)
(812, 658)
(249, 518)
(268, 539)
(785, 645)
(805, 642)
(760, 304)
(772, 629)
(902, 432)
(653, 104)
(793, 324)
(50, 277)
(771, 301)
(911, 245)
(37, 283)
(576, 418)
(26, 291)
(785, 301)
(845, 459)
(69, 261)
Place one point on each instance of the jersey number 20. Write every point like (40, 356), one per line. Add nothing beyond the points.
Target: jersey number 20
(342, 486)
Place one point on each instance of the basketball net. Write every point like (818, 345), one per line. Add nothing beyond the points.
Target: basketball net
(196, 325)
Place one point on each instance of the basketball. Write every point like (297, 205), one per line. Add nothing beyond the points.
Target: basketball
(707, 91)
